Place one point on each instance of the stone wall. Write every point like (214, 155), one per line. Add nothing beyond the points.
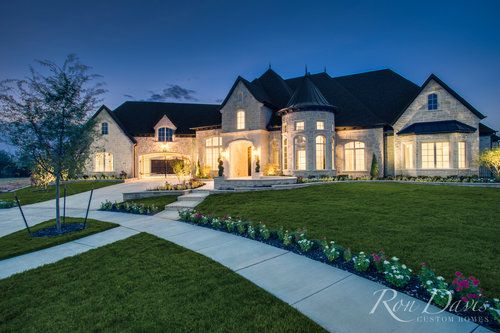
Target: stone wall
(116, 142)
(388, 154)
(373, 138)
(310, 133)
(449, 108)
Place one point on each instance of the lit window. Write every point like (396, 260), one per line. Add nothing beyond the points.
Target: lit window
(285, 153)
(354, 153)
(461, 155)
(275, 153)
(333, 153)
(103, 162)
(284, 127)
(435, 155)
(213, 148)
(299, 126)
(240, 120)
(408, 155)
(104, 129)
(320, 125)
(432, 102)
(320, 152)
(165, 134)
(300, 153)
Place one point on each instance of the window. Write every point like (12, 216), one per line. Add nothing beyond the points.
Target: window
(432, 102)
(103, 162)
(461, 155)
(299, 126)
(320, 152)
(212, 152)
(320, 125)
(354, 153)
(300, 153)
(435, 155)
(104, 129)
(165, 134)
(275, 153)
(240, 120)
(284, 127)
(285, 153)
(408, 155)
(333, 153)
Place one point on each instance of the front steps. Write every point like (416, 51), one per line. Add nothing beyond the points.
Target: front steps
(190, 200)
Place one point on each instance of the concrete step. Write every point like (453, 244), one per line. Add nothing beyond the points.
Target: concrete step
(178, 205)
(192, 197)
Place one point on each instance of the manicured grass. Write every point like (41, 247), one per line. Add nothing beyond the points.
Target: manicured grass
(451, 228)
(157, 201)
(21, 242)
(34, 194)
(141, 284)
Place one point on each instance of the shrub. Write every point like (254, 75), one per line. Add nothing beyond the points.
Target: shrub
(241, 227)
(280, 233)
(231, 224)
(287, 238)
(361, 262)
(396, 273)
(264, 231)
(436, 286)
(374, 170)
(186, 214)
(347, 255)
(378, 261)
(466, 289)
(130, 207)
(305, 244)
(490, 158)
(251, 231)
(216, 223)
(331, 251)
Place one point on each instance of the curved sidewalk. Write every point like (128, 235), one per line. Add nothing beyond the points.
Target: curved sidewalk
(337, 300)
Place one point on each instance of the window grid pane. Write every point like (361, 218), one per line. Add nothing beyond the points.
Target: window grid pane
(212, 152)
(299, 126)
(240, 120)
(285, 153)
(428, 155)
(461, 155)
(320, 153)
(320, 125)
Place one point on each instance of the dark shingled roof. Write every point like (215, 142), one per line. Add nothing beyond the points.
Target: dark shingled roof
(117, 121)
(139, 118)
(435, 127)
(307, 97)
(485, 130)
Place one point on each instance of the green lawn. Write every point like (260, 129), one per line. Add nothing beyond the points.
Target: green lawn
(141, 284)
(21, 242)
(451, 228)
(160, 201)
(34, 194)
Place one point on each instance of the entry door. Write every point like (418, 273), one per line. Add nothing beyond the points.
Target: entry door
(249, 157)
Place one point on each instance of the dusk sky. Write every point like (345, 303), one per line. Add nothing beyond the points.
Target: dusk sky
(143, 47)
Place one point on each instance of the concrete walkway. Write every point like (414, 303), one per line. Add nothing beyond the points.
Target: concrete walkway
(337, 300)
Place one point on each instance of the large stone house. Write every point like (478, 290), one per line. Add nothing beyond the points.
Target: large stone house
(312, 125)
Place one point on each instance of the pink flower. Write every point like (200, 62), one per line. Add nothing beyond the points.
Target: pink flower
(464, 299)
(458, 274)
(471, 296)
(466, 284)
(459, 288)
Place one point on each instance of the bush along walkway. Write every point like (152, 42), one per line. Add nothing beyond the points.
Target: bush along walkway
(462, 297)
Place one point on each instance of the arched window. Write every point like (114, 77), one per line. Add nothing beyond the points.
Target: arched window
(432, 102)
(165, 134)
(333, 153)
(354, 153)
(320, 152)
(300, 153)
(104, 129)
(240, 120)
(285, 153)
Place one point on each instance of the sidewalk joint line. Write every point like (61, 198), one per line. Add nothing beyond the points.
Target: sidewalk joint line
(279, 255)
(316, 292)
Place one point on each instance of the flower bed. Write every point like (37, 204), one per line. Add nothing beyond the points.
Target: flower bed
(130, 207)
(421, 179)
(192, 184)
(463, 297)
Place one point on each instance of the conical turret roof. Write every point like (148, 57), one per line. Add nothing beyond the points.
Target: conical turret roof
(308, 97)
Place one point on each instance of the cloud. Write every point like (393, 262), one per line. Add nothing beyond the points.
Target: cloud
(128, 96)
(173, 92)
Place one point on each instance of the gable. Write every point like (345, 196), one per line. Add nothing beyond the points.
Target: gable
(165, 122)
(450, 107)
(104, 114)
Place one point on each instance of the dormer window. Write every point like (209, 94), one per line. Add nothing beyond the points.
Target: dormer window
(432, 102)
(104, 129)
(165, 134)
(240, 120)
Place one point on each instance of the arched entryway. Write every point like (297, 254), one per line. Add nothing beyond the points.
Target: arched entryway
(240, 159)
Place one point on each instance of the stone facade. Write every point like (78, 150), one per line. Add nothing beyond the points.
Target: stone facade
(115, 142)
(449, 108)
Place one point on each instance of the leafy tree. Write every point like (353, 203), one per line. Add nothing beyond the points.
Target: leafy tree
(374, 170)
(182, 168)
(48, 115)
(490, 158)
(7, 164)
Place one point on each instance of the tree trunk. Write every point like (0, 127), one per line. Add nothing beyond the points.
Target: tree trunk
(58, 194)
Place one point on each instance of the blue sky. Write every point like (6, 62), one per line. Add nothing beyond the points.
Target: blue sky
(143, 47)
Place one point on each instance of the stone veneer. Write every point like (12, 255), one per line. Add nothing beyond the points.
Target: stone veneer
(449, 108)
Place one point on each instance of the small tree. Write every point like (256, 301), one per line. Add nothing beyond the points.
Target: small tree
(490, 158)
(182, 168)
(198, 172)
(374, 170)
(48, 115)
(257, 165)
(221, 167)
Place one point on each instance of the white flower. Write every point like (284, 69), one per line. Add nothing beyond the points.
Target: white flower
(395, 258)
(496, 299)
(429, 282)
(361, 253)
(404, 266)
(440, 278)
(386, 262)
